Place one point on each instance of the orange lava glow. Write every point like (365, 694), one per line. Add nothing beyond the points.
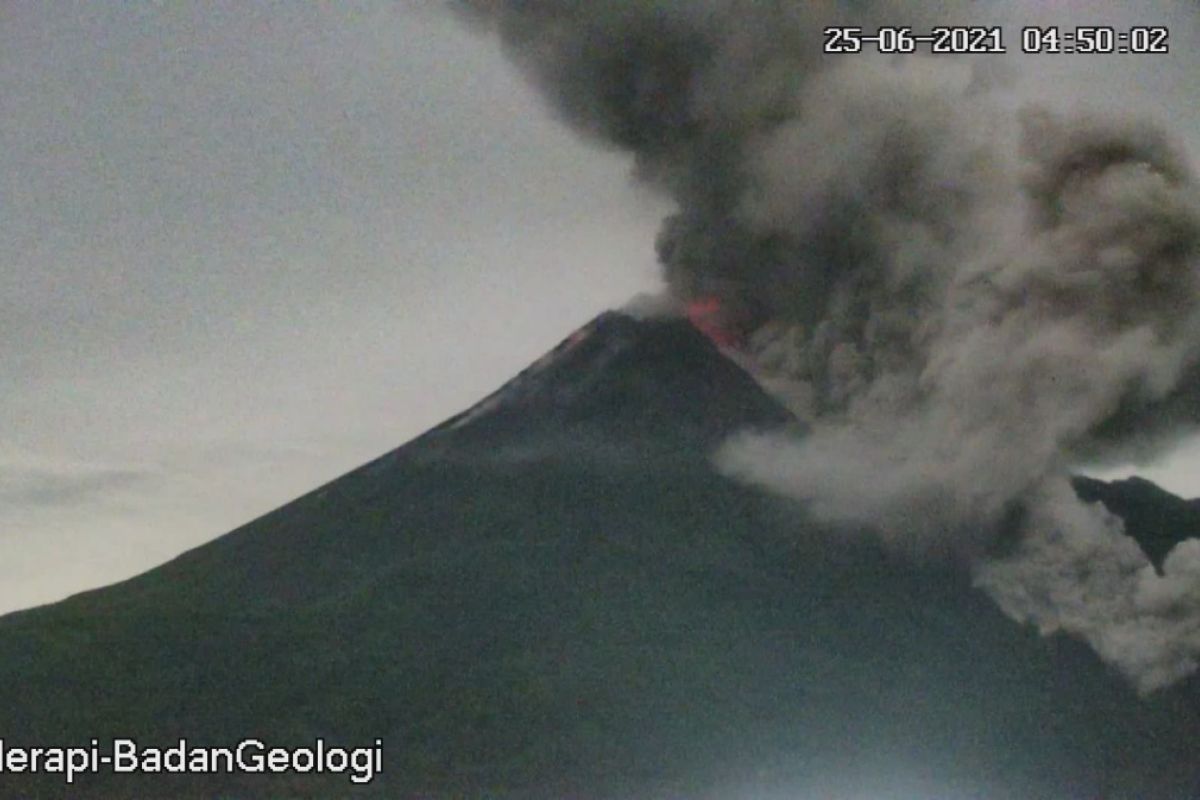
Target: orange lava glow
(706, 314)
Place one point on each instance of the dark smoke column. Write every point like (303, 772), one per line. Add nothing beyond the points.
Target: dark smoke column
(963, 302)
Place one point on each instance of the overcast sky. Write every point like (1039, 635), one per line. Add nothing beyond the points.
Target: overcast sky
(245, 247)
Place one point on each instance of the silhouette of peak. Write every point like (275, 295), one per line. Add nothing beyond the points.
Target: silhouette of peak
(1155, 518)
(627, 378)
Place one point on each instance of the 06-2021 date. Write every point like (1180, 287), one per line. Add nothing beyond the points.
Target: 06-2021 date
(947, 39)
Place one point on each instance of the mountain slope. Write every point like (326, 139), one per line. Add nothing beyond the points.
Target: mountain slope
(553, 595)
(1153, 516)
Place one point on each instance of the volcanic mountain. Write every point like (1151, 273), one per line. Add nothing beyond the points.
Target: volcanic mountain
(554, 594)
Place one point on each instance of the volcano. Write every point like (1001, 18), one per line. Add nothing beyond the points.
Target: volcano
(553, 594)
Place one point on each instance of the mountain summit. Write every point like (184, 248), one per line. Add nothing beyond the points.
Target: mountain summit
(553, 594)
(648, 382)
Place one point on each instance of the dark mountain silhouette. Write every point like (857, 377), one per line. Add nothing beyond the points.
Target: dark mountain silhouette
(1153, 516)
(553, 595)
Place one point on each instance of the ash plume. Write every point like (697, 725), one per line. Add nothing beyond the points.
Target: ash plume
(963, 301)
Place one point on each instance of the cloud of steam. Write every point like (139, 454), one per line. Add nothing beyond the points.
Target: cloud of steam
(962, 301)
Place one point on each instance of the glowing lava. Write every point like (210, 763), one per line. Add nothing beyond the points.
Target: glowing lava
(707, 315)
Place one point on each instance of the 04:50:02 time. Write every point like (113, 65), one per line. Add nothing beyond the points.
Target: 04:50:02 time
(1138, 39)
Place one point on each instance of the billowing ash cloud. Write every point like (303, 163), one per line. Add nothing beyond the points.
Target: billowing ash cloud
(963, 301)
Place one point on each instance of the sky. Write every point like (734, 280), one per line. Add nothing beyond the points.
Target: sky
(245, 247)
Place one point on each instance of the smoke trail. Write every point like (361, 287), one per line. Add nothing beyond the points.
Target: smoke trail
(961, 300)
